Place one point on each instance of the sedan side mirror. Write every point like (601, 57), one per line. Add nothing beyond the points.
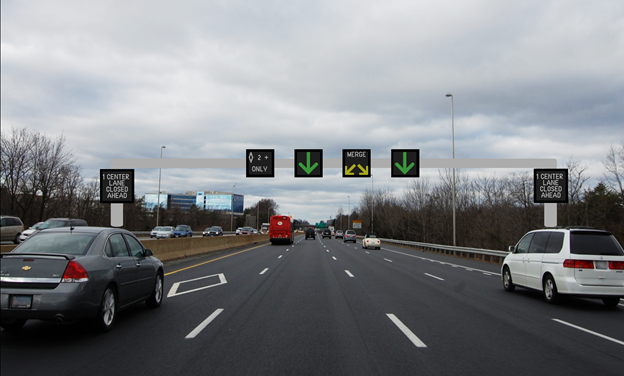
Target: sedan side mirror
(148, 253)
(512, 248)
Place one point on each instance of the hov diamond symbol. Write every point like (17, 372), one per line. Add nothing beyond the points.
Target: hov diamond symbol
(261, 163)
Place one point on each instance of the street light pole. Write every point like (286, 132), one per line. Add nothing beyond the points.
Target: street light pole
(373, 200)
(349, 223)
(232, 209)
(158, 200)
(453, 129)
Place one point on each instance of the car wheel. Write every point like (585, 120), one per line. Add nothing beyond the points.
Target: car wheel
(507, 281)
(156, 298)
(12, 325)
(105, 319)
(550, 290)
(611, 302)
(16, 240)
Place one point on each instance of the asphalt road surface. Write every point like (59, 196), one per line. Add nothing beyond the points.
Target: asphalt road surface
(324, 307)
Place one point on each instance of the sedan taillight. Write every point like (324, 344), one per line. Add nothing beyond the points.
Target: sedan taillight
(75, 273)
(578, 264)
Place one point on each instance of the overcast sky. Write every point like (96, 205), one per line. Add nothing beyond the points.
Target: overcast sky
(210, 79)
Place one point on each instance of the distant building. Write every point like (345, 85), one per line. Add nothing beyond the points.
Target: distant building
(207, 200)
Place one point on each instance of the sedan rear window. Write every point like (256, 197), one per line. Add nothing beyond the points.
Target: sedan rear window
(70, 244)
(594, 243)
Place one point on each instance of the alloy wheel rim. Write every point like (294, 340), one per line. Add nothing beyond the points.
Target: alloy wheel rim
(109, 307)
(159, 288)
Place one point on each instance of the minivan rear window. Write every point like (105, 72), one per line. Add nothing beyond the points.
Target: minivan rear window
(594, 243)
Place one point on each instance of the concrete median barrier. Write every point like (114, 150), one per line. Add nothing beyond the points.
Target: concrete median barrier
(170, 249)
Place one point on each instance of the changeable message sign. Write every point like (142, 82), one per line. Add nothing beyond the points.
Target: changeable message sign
(308, 163)
(405, 163)
(260, 163)
(551, 185)
(117, 186)
(356, 163)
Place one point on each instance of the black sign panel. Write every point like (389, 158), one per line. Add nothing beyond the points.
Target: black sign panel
(356, 163)
(551, 185)
(117, 186)
(405, 163)
(308, 163)
(260, 163)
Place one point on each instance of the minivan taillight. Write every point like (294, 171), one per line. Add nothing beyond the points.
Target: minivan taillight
(618, 265)
(578, 264)
(75, 273)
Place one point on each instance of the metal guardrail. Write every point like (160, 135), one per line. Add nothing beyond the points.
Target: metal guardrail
(488, 255)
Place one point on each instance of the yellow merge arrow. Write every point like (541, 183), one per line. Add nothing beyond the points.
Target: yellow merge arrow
(364, 171)
(348, 170)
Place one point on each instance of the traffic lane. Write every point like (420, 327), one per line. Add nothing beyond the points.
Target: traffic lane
(591, 313)
(140, 330)
(296, 322)
(505, 305)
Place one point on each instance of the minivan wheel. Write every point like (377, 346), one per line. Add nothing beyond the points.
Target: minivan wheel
(507, 281)
(550, 290)
(611, 302)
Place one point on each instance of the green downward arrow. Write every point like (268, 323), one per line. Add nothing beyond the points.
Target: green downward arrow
(404, 169)
(307, 168)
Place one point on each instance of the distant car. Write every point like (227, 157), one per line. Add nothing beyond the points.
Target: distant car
(154, 232)
(327, 233)
(182, 230)
(10, 229)
(62, 222)
(339, 234)
(26, 233)
(255, 232)
(238, 230)
(66, 274)
(213, 231)
(164, 232)
(310, 233)
(570, 261)
(350, 236)
(371, 240)
(246, 231)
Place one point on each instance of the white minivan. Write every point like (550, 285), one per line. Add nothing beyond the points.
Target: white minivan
(574, 261)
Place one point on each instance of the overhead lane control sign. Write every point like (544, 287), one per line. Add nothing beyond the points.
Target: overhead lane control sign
(308, 163)
(117, 186)
(405, 163)
(356, 163)
(551, 185)
(260, 163)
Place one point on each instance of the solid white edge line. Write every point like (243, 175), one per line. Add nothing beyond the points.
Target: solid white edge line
(264, 271)
(433, 276)
(412, 337)
(590, 332)
(204, 324)
(349, 273)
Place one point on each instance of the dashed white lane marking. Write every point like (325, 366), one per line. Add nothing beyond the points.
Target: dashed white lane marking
(349, 273)
(334, 258)
(367, 252)
(412, 337)
(388, 260)
(264, 271)
(445, 263)
(280, 256)
(590, 332)
(433, 276)
(204, 324)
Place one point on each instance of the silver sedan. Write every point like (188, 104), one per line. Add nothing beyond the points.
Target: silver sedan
(65, 274)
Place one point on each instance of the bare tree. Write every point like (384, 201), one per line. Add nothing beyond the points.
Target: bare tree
(615, 168)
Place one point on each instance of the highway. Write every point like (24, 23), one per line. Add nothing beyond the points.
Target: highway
(324, 307)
